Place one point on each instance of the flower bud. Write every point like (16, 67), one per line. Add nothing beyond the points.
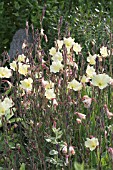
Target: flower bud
(71, 151)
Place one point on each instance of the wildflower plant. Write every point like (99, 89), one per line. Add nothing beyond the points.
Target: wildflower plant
(59, 109)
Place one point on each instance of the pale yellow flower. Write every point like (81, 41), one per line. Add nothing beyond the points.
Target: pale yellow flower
(23, 68)
(77, 48)
(13, 65)
(75, 85)
(5, 105)
(104, 51)
(5, 72)
(56, 66)
(2, 109)
(90, 71)
(52, 51)
(101, 80)
(91, 143)
(26, 84)
(60, 43)
(8, 102)
(84, 79)
(91, 59)
(49, 93)
(57, 57)
(21, 58)
(69, 42)
(47, 84)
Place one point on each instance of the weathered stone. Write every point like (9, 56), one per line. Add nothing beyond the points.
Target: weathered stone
(17, 41)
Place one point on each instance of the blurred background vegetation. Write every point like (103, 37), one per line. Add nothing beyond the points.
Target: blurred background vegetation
(88, 20)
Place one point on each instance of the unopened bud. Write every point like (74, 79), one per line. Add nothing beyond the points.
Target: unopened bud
(71, 151)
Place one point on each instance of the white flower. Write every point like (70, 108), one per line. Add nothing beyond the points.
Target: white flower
(104, 51)
(47, 84)
(91, 59)
(77, 48)
(2, 109)
(92, 143)
(13, 66)
(49, 93)
(52, 51)
(75, 85)
(56, 67)
(23, 68)
(8, 102)
(90, 71)
(69, 42)
(5, 72)
(5, 105)
(26, 84)
(101, 80)
(21, 58)
(57, 57)
(84, 79)
(60, 43)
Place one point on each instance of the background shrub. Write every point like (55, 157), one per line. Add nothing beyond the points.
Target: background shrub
(87, 20)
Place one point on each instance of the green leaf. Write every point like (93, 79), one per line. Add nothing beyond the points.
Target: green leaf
(53, 152)
(17, 6)
(78, 166)
(51, 160)
(22, 166)
(1, 168)
(5, 41)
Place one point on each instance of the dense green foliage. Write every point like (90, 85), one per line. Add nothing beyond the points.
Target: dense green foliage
(86, 19)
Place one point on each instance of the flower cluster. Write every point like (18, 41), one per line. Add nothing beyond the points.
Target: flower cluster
(21, 65)
(57, 56)
(58, 85)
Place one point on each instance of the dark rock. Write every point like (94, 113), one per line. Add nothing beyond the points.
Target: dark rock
(18, 39)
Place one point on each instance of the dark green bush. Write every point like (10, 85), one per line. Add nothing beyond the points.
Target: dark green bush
(86, 19)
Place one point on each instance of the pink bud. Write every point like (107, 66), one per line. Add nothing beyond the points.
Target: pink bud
(71, 151)
(109, 114)
(67, 160)
(80, 115)
(87, 101)
(55, 103)
(110, 150)
(64, 150)
(78, 121)
(54, 124)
